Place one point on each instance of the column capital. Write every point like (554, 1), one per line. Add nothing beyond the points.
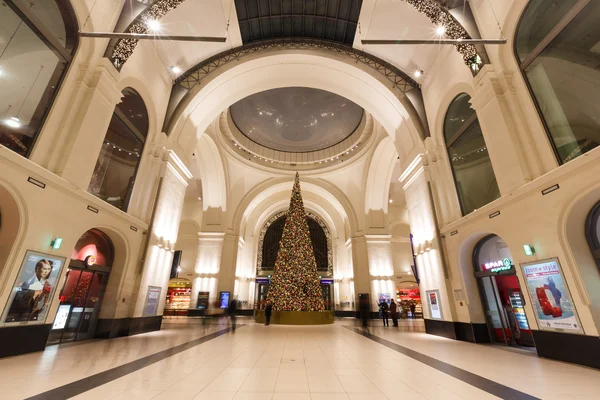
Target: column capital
(489, 84)
(416, 167)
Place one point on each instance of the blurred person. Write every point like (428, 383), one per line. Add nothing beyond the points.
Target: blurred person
(413, 308)
(394, 312)
(384, 308)
(364, 313)
(268, 310)
(232, 311)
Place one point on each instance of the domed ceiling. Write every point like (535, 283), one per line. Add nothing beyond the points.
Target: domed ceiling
(296, 119)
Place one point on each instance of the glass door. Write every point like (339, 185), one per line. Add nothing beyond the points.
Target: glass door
(79, 306)
(495, 317)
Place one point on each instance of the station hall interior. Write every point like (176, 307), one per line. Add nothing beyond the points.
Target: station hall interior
(447, 155)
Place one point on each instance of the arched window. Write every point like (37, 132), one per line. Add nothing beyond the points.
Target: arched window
(121, 152)
(592, 231)
(557, 48)
(37, 42)
(273, 237)
(473, 173)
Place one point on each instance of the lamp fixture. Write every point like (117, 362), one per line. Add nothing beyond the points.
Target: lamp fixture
(440, 30)
(175, 69)
(153, 25)
(418, 73)
(13, 122)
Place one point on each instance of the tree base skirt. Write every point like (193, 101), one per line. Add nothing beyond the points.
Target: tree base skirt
(296, 317)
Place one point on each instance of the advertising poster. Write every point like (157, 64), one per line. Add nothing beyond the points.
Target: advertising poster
(223, 299)
(34, 288)
(550, 296)
(152, 299)
(433, 298)
(384, 297)
(202, 303)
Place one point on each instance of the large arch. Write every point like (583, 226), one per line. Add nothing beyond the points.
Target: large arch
(379, 176)
(212, 174)
(13, 222)
(309, 68)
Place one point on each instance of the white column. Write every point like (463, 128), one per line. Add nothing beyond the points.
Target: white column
(360, 262)
(164, 229)
(208, 262)
(423, 227)
(76, 159)
(381, 266)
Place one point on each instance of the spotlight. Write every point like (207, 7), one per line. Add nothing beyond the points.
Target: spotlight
(391, 201)
(440, 30)
(13, 122)
(418, 73)
(175, 69)
(153, 25)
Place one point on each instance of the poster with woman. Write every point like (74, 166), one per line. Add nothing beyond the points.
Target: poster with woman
(34, 288)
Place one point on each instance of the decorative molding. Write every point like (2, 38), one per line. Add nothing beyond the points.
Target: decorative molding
(280, 214)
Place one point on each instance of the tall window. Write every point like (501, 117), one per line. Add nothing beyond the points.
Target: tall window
(592, 230)
(37, 42)
(121, 152)
(473, 174)
(273, 237)
(557, 45)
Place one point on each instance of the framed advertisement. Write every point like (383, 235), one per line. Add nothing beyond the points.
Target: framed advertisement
(202, 303)
(33, 289)
(550, 297)
(433, 301)
(152, 300)
(224, 299)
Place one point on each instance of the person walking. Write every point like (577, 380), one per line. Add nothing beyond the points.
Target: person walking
(412, 310)
(268, 310)
(383, 306)
(232, 310)
(394, 313)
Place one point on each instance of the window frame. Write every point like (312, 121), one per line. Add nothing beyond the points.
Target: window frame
(64, 54)
(541, 46)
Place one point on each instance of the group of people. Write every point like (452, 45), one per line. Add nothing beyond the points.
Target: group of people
(392, 309)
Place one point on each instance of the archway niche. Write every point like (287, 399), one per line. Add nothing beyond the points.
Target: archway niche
(10, 222)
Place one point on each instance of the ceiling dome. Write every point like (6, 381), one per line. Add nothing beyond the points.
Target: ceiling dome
(296, 119)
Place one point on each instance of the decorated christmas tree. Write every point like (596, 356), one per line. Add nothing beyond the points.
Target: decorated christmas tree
(295, 285)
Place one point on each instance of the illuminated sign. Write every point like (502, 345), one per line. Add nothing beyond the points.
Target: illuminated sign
(56, 243)
(498, 266)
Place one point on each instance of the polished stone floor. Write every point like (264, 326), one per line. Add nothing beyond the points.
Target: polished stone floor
(186, 360)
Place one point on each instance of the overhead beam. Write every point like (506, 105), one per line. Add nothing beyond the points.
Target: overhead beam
(434, 41)
(146, 36)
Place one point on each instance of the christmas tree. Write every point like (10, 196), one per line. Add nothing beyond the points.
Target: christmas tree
(295, 285)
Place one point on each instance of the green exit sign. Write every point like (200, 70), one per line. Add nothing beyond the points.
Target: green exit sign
(56, 243)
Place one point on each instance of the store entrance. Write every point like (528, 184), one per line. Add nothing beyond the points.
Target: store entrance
(501, 293)
(85, 284)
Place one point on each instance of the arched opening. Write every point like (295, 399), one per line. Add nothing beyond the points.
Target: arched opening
(119, 159)
(408, 298)
(84, 287)
(556, 48)
(36, 48)
(474, 177)
(592, 232)
(9, 225)
(501, 294)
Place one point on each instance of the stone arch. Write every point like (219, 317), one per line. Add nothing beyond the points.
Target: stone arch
(267, 188)
(212, 174)
(13, 224)
(132, 82)
(379, 175)
(309, 214)
(309, 68)
(572, 237)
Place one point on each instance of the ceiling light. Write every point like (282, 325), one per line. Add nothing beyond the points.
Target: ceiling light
(153, 25)
(418, 73)
(13, 122)
(391, 201)
(440, 30)
(175, 69)
(199, 198)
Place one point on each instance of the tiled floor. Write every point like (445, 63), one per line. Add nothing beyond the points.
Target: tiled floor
(291, 363)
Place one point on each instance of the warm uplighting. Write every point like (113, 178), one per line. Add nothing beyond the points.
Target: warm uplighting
(13, 122)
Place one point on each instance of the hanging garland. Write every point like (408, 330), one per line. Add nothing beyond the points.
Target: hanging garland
(454, 30)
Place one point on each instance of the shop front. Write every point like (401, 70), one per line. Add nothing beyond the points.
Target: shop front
(408, 298)
(179, 297)
(262, 289)
(83, 290)
(501, 294)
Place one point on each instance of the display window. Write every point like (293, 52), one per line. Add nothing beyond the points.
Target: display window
(179, 296)
(408, 298)
(501, 293)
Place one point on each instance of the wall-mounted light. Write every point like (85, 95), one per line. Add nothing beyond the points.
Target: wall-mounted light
(160, 242)
(529, 250)
(427, 245)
